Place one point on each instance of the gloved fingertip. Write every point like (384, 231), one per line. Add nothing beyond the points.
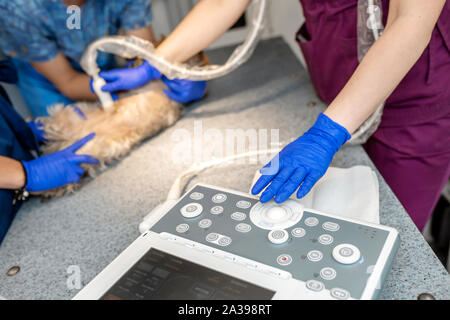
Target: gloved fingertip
(109, 87)
(301, 193)
(266, 196)
(108, 75)
(280, 198)
(254, 191)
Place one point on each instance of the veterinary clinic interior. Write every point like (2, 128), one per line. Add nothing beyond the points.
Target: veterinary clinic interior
(222, 150)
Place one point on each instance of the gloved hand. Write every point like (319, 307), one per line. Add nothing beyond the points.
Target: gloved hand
(91, 86)
(302, 162)
(129, 78)
(57, 169)
(184, 91)
(38, 130)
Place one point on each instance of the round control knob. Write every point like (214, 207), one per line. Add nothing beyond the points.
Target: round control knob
(191, 210)
(278, 236)
(276, 213)
(271, 215)
(346, 253)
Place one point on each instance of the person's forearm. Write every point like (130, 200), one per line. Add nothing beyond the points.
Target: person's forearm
(12, 175)
(70, 82)
(382, 69)
(77, 88)
(202, 26)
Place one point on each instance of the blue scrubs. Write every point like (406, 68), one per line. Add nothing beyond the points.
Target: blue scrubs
(37, 30)
(16, 141)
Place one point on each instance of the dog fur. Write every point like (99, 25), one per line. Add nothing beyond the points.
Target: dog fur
(137, 115)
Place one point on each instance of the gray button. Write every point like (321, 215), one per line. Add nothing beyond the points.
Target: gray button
(340, 294)
(315, 255)
(182, 228)
(328, 273)
(330, 226)
(191, 210)
(216, 210)
(346, 252)
(219, 198)
(311, 221)
(326, 239)
(243, 227)
(298, 232)
(314, 285)
(224, 241)
(284, 259)
(205, 223)
(212, 237)
(196, 196)
(278, 236)
(243, 204)
(238, 216)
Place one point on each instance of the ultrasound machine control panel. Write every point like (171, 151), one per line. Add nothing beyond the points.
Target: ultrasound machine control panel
(216, 243)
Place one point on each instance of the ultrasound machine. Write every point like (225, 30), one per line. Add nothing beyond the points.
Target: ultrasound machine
(215, 243)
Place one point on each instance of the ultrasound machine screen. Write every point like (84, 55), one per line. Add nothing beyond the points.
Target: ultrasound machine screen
(159, 275)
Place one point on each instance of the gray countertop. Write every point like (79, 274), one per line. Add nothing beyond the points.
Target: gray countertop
(90, 228)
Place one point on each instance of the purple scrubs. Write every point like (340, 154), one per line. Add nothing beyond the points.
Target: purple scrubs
(411, 148)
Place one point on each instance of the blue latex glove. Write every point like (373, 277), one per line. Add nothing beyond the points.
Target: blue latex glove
(38, 130)
(302, 162)
(91, 86)
(57, 169)
(125, 79)
(184, 91)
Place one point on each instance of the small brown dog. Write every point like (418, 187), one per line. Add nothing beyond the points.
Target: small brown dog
(138, 115)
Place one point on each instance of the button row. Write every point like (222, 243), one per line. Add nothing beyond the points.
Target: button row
(224, 240)
(279, 236)
(318, 286)
(220, 198)
(329, 226)
(219, 239)
(326, 273)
